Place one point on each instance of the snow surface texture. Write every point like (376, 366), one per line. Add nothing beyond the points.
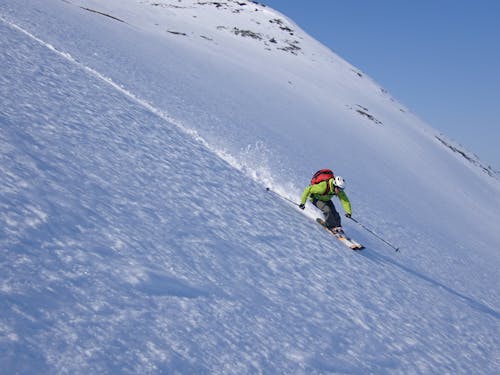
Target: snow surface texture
(137, 139)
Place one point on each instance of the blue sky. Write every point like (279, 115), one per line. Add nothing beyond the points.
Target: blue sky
(440, 58)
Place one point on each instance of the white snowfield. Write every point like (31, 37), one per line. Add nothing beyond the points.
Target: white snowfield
(137, 140)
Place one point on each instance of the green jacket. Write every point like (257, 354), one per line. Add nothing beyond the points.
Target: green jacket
(318, 191)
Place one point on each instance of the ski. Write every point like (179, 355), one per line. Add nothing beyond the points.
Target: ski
(349, 242)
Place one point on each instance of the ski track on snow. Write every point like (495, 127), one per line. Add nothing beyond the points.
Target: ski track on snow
(161, 114)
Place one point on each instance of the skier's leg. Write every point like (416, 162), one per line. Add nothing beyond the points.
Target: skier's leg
(332, 217)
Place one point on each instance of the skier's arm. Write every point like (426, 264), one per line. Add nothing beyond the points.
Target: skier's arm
(305, 194)
(313, 189)
(345, 202)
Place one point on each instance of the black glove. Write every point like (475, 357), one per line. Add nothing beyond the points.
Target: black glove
(302, 206)
(348, 216)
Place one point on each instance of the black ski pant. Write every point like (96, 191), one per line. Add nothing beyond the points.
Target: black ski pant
(332, 217)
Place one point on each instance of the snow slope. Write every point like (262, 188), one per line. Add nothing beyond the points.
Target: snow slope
(137, 139)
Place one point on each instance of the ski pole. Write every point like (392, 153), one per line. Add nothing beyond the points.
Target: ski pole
(375, 234)
(282, 197)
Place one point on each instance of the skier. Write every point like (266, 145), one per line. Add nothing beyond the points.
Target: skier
(321, 194)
